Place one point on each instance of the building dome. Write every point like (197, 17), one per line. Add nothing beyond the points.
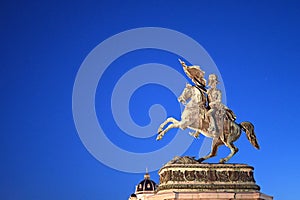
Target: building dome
(144, 189)
(146, 185)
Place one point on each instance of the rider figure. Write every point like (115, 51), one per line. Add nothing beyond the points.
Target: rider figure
(217, 110)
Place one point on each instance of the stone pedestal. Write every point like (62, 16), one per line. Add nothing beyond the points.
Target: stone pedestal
(185, 178)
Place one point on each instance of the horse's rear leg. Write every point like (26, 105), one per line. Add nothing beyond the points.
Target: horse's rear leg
(233, 150)
(170, 119)
(214, 148)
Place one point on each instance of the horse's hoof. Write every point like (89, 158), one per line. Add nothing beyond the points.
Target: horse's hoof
(222, 161)
(200, 160)
(158, 138)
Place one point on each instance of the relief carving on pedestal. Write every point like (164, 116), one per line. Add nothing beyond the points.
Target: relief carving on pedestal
(206, 176)
(190, 175)
(223, 176)
(177, 176)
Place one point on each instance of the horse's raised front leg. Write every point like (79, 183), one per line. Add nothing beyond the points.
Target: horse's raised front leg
(175, 124)
(214, 148)
(233, 150)
(170, 119)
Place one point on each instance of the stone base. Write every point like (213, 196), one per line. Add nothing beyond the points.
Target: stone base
(185, 178)
(209, 196)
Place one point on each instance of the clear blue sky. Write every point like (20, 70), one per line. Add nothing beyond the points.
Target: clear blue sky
(255, 45)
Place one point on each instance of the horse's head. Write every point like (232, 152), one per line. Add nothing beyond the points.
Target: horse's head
(186, 94)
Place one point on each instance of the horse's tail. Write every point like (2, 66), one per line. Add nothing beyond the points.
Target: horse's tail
(249, 129)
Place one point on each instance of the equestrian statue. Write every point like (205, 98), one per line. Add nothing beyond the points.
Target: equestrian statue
(204, 113)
